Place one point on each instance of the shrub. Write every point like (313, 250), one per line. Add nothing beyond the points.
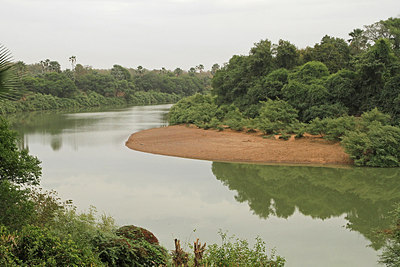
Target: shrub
(338, 127)
(317, 126)
(35, 246)
(198, 109)
(132, 246)
(234, 119)
(16, 208)
(276, 116)
(236, 252)
(379, 146)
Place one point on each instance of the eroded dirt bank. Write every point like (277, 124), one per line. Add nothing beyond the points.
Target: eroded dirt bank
(191, 142)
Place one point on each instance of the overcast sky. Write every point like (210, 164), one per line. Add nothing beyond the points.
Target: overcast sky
(173, 33)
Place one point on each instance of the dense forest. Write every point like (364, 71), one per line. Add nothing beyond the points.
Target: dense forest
(44, 86)
(345, 90)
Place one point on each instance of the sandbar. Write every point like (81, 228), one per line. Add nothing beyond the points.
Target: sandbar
(232, 146)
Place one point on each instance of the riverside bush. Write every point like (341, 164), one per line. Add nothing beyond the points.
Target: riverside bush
(276, 116)
(197, 109)
(378, 146)
(36, 246)
(236, 252)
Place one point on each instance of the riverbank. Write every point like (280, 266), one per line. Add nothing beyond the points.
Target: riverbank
(232, 146)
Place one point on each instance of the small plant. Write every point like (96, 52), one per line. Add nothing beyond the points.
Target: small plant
(236, 252)
(285, 136)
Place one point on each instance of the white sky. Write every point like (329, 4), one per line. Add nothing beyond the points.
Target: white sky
(173, 33)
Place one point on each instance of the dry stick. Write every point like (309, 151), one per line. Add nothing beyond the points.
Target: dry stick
(198, 253)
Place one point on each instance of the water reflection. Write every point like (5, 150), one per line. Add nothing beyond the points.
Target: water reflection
(57, 127)
(364, 195)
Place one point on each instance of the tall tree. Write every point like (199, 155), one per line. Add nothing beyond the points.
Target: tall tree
(286, 55)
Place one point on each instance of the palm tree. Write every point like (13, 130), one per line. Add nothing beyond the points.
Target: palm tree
(8, 78)
(73, 62)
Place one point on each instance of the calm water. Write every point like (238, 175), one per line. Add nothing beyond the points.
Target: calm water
(313, 216)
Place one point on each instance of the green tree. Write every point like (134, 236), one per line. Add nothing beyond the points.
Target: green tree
(120, 73)
(16, 165)
(286, 55)
(214, 68)
(358, 41)
(373, 68)
(333, 52)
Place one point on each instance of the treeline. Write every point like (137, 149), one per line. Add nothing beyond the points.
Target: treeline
(38, 101)
(280, 89)
(44, 86)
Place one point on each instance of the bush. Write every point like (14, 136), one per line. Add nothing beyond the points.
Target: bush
(332, 128)
(16, 208)
(234, 119)
(276, 116)
(338, 127)
(236, 252)
(379, 146)
(132, 246)
(197, 109)
(35, 246)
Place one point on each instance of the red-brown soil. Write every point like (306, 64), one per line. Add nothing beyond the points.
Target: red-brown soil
(228, 145)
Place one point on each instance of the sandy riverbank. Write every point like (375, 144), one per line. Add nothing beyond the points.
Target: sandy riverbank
(191, 142)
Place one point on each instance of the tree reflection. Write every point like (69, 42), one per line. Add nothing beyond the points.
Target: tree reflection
(365, 195)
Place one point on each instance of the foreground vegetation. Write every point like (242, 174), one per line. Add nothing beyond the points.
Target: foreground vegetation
(343, 91)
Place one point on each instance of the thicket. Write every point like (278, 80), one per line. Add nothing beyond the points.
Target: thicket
(329, 89)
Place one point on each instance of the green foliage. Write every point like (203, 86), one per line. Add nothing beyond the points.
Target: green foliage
(287, 55)
(16, 165)
(391, 251)
(197, 109)
(276, 116)
(16, 208)
(375, 144)
(236, 252)
(53, 83)
(310, 71)
(333, 52)
(336, 128)
(332, 128)
(81, 100)
(8, 77)
(234, 119)
(40, 247)
(341, 87)
(374, 115)
(317, 126)
(131, 246)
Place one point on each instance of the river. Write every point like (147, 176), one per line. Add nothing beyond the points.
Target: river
(313, 216)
